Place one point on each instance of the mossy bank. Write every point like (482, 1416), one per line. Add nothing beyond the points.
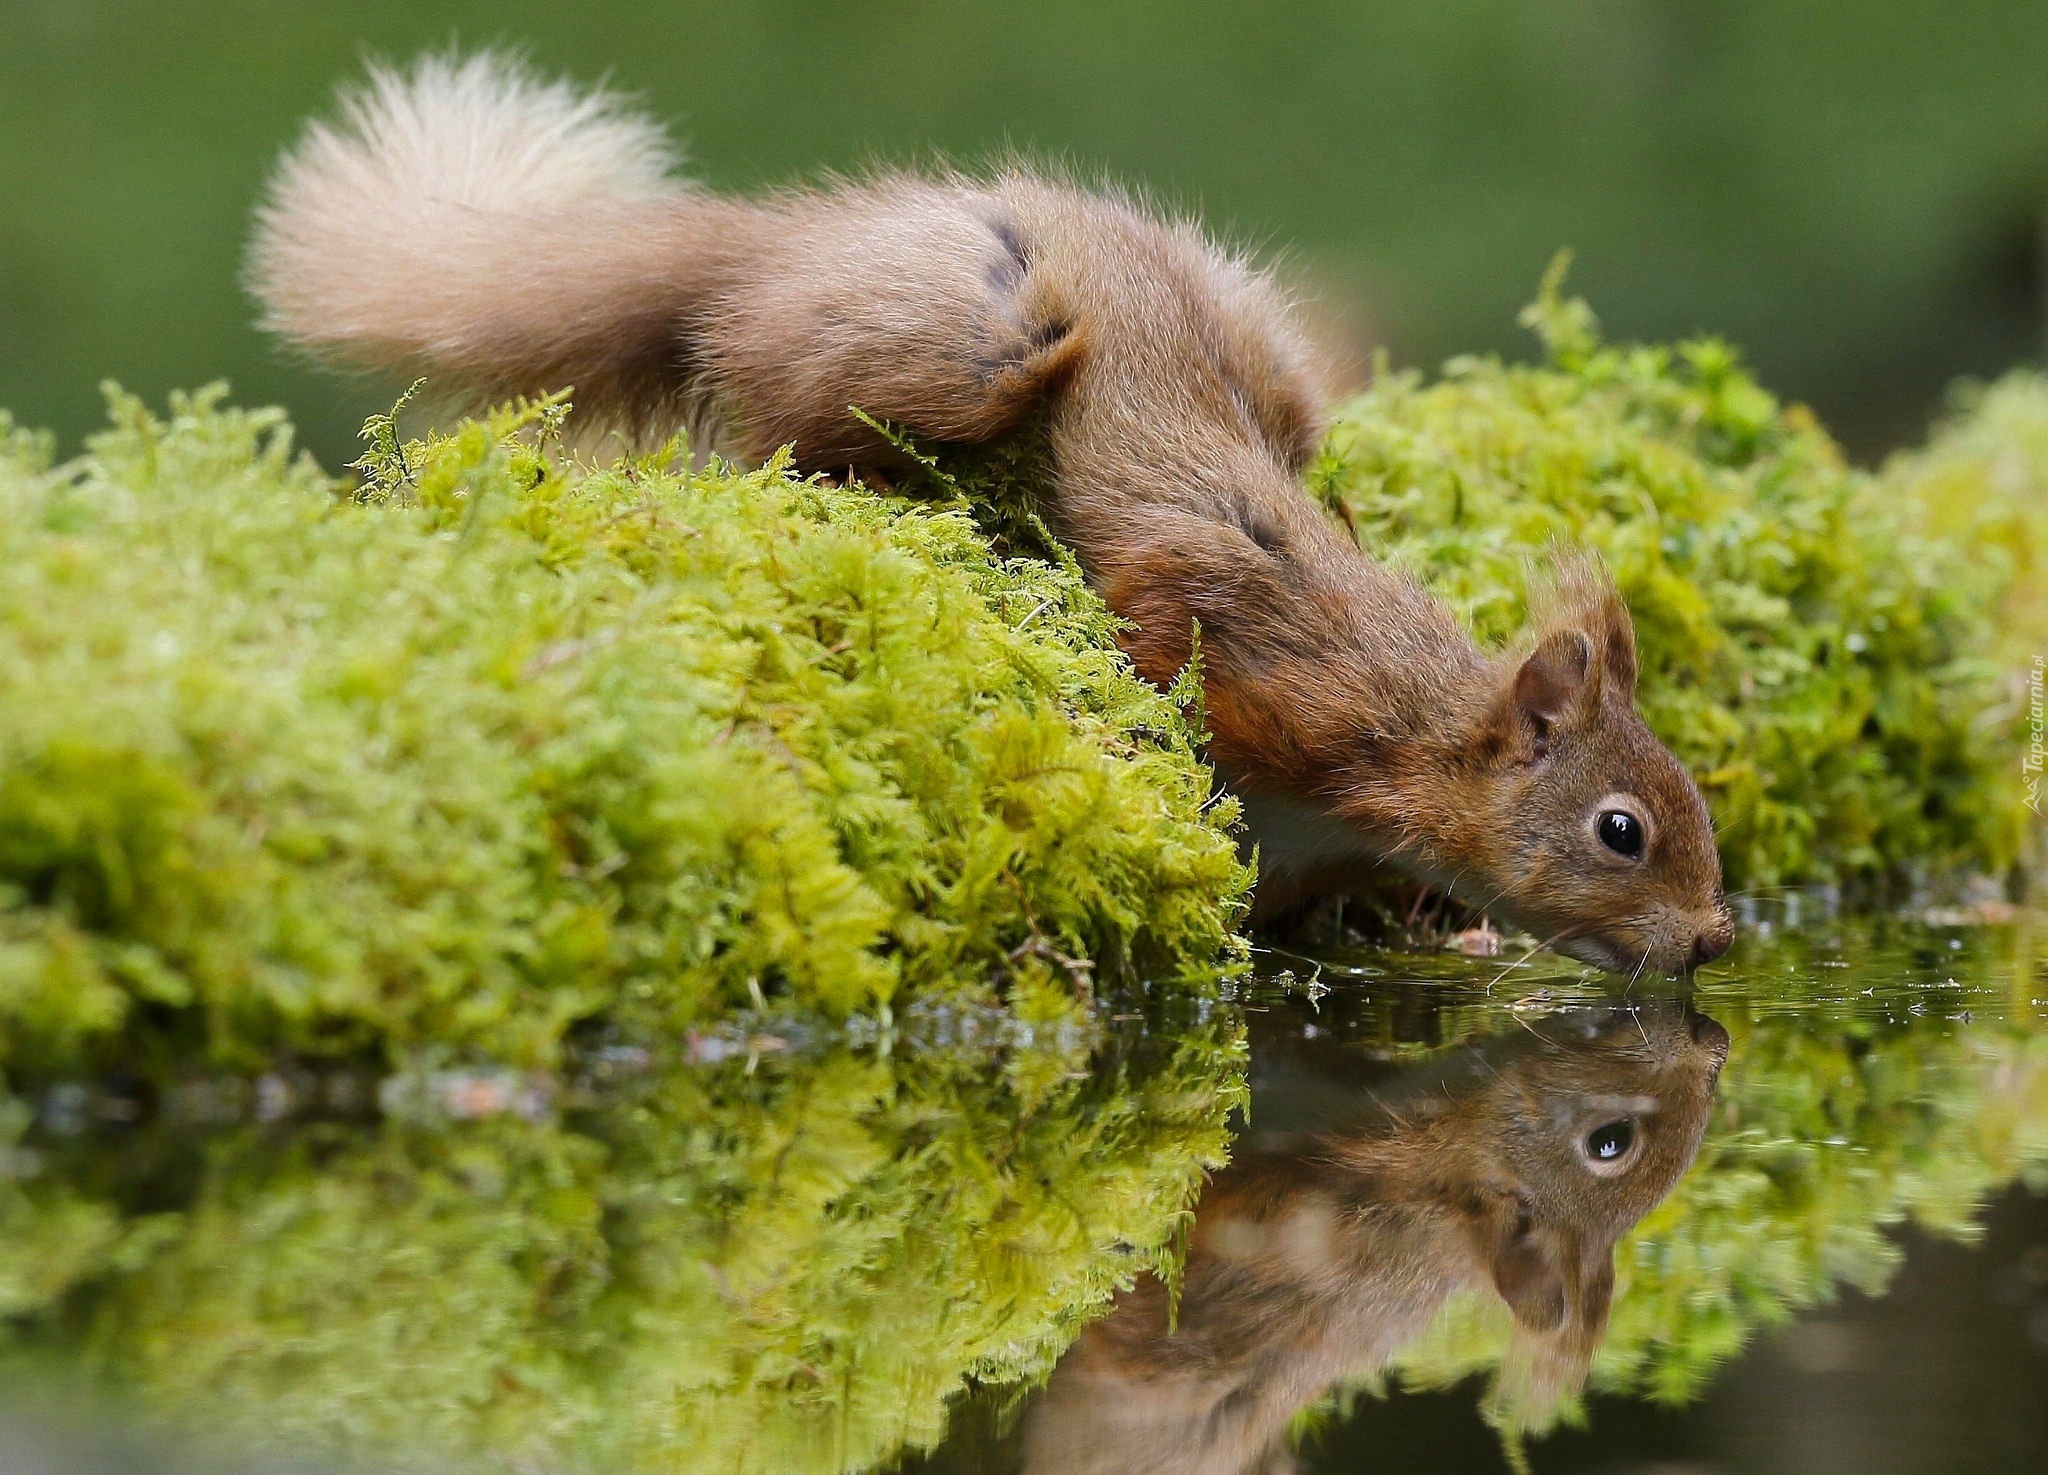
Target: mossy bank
(496, 745)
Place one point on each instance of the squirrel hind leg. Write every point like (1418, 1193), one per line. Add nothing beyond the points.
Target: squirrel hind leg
(915, 303)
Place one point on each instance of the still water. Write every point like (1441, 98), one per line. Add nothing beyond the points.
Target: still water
(1449, 1215)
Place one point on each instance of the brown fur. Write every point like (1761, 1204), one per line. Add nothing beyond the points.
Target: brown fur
(1180, 396)
(1316, 1257)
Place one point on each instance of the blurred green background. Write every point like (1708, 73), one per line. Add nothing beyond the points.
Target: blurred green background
(1858, 193)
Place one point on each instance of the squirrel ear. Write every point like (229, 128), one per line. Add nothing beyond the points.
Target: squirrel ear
(1552, 676)
(1582, 602)
(1620, 648)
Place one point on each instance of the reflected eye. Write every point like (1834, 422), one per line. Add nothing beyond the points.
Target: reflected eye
(1608, 1143)
(1621, 832)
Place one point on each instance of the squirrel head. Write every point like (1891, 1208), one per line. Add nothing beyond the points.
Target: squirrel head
(1514, 1164)
(1576, 1138)
(1585, 829)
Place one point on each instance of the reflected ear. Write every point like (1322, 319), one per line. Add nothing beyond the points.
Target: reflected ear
(1560, 1305)
(1551, 678)
(1529, 1278)
(1547, 1278)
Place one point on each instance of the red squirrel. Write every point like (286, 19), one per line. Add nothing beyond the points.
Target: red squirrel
(504, 234)
(1330, 1244)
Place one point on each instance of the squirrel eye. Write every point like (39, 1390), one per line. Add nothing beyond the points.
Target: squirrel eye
(1621, 832)
(1609, 1142)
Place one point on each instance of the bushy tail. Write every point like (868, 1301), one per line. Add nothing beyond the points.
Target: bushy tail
(493, 230)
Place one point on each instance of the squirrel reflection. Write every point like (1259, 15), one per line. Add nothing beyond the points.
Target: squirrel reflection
(1320, 1252)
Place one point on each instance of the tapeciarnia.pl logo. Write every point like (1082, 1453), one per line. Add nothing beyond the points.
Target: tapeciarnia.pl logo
(2037, 722)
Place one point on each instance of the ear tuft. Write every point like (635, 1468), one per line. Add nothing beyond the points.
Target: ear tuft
(1578, 596)
(1618, 649)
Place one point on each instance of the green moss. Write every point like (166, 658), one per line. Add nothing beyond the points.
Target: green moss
(1833, 653)
(1982, 481)
(504, 743)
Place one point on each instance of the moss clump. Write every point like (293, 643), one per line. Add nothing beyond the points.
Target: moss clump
(1983, 482)
(1833, 653)
(503, 743)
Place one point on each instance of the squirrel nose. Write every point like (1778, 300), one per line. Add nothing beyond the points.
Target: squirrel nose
(1711, 943)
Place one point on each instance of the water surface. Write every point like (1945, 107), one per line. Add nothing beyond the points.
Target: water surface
(1474, 1213)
